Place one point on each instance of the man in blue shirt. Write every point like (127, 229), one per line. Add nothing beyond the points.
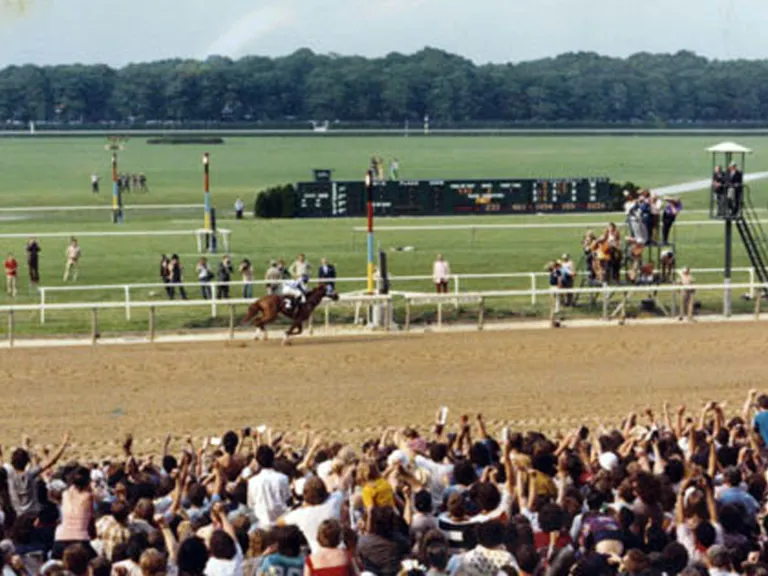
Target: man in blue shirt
(733, 493)
(760, 422)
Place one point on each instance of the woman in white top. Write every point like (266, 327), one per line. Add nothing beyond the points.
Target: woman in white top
(441, 273)
(73, 259)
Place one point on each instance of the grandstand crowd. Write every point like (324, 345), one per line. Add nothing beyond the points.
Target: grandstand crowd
(675, 493)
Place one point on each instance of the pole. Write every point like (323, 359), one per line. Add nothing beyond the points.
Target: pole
(117, 204)
(727, 271)
(369, 201)
(207, 192)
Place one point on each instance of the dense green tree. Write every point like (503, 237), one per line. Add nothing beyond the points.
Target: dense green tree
(574, 88)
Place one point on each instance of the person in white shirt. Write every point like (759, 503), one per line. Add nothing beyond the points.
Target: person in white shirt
(268, 491)
(318, 506)
(73, 260)
(441, 273)
(239, 209)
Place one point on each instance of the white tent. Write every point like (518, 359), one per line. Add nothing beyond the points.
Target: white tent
(729, 148)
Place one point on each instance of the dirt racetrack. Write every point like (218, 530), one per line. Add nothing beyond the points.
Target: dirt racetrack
(545, 379)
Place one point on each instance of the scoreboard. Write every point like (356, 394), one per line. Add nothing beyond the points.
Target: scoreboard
(453, 197)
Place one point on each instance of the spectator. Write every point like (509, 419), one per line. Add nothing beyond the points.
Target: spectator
(394, 169)
(457, 525)
(72, 255)
(22, 479)
(327, 272)
(76, 514)
(284, 273)
(441, 273)
(11, 271)
(327, 559)
(268, 491)
(288, 558)
(33, 262)
(300, 268)
(224, 277)
(567, 272)
(488, 557)
(382, 548)
(275, 278)
(667, 265)
(165, 275)
(734, 494)
(176, 271)
(204, 276)
(94, 183)
(318, 507)
(239, 209)
(246, 270)
(75, 560)
(671, 210)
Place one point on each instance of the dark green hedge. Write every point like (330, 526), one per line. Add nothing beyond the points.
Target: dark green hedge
(617, 194)
(276, 202)
(187, 140)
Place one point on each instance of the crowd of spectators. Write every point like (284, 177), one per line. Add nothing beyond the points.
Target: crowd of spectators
(677, 494)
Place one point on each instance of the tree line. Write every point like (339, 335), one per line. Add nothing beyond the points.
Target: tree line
(651, 89)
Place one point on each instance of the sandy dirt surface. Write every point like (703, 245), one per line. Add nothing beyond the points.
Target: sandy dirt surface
(351, 388)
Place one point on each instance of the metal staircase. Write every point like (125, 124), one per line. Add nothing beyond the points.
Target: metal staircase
(754, 238)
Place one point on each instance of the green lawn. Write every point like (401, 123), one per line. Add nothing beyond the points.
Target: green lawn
(56, 172)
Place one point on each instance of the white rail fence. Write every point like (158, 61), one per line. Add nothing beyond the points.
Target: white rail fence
(127, 291)
(616, 295)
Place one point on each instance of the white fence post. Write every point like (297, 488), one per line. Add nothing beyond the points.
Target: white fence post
(533, 288)
(212, 286)
(127, 302)
(456, 289)
(42, 305)
(752, 282)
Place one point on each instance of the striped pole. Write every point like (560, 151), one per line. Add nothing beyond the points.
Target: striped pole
(207, 191)
(369, 198)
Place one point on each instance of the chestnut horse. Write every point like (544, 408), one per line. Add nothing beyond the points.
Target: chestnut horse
(266, 310)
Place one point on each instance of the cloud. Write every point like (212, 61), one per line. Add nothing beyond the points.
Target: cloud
(239, 39)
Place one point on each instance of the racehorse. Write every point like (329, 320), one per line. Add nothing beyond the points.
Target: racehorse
(266, 310)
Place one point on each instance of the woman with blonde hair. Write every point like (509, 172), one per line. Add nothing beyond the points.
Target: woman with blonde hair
(376, 491)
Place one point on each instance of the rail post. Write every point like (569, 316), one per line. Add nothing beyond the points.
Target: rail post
(327, 317)
(439, 314)
(152, 326)
(11, 328)
(94, 325)
(212, 286)
(605, 301)
(42, 305)
(481, 314)
(757, 307)
(533, 289)
(624, 301)
(311, 325)
(127, 302)
(752, 282)
(231, 321)
(407, 314)
(456, 285)
(673, 308)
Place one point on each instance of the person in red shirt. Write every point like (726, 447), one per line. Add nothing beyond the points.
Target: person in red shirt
(11, 271)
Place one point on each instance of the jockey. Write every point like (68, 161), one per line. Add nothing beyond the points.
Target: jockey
(296, 291)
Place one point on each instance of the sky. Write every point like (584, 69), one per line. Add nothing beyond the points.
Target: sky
(117, 32)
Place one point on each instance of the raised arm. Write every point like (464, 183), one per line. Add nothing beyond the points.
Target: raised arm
(748, 407)
(481, 427)
(56, 456)
(679, 421)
